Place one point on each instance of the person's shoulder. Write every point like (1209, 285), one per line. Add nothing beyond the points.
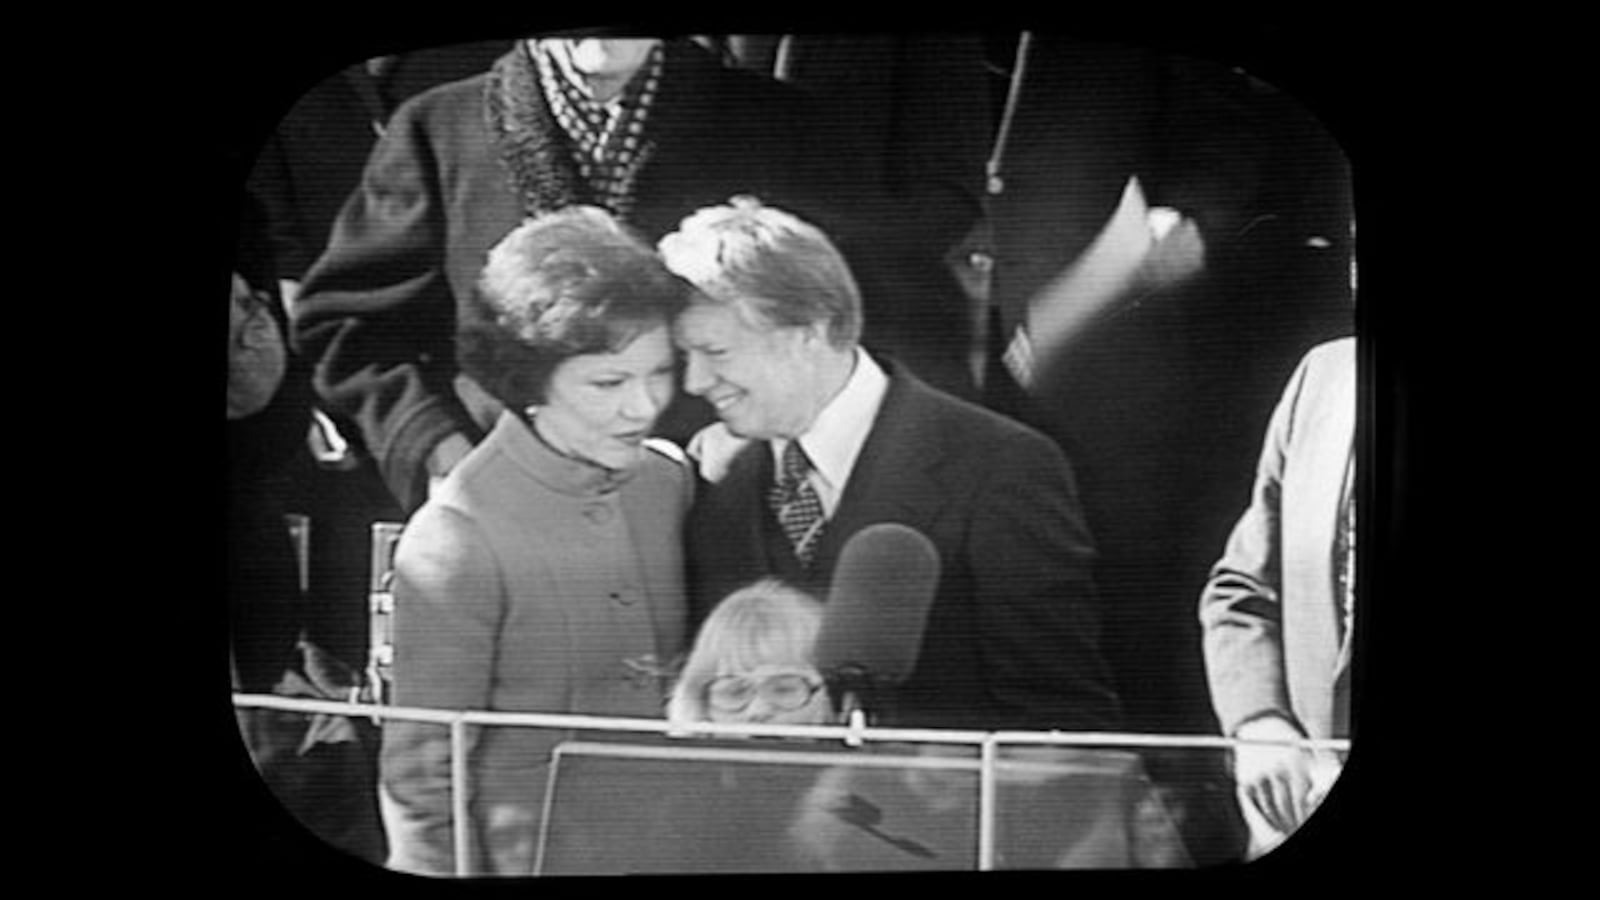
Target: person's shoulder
(478, 479)
(964, 421)
(460, 494)
(665, 459)
(713, 449)
(665, 471)
(668, 451)
(457, 98)
(447, 516)
(1337, 352)
(1323, 368)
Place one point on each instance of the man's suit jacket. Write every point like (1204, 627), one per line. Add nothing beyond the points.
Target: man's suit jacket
(1271, 610)
(1012, 634)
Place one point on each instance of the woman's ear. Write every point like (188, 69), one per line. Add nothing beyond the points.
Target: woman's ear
(817, 334)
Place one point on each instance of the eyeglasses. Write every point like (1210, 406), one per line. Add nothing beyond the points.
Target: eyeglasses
(732, 693)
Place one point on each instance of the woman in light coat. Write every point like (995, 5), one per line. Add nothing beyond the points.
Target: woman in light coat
(544, 574)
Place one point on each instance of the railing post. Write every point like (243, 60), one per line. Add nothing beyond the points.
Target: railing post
(458, 795)
(986, 792)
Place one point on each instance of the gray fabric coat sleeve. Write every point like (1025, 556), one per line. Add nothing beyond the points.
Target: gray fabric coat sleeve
(1241, 611)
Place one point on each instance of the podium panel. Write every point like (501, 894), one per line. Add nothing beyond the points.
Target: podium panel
(755, 806)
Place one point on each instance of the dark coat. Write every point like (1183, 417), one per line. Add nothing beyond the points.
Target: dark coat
(1012, 635)
(314, 157)
(379, 310)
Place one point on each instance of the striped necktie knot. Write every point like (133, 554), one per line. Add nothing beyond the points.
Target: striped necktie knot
(795, 503)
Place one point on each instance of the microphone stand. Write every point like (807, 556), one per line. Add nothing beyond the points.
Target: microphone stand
(853, 682)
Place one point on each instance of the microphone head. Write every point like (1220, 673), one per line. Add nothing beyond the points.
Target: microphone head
(877, 606)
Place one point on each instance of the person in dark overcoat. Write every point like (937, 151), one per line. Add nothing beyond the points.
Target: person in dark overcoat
(649, 129)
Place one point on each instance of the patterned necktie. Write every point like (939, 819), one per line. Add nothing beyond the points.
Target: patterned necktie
(795, 503)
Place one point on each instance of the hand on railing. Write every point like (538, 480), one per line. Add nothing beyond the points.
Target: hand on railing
(1284, 783)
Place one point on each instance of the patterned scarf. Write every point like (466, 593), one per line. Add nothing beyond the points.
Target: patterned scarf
(559, 145)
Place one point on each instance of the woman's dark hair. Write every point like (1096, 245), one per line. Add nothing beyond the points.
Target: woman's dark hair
(566, 283)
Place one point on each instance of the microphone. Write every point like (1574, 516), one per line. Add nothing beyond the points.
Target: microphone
(877, 609)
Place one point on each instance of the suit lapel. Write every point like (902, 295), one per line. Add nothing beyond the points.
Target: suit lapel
(895, 477)
(746, 484)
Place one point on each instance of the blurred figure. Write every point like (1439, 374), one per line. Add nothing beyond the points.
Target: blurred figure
(263, 578)
(818, 441)
(307, 168)
(647, 128)
(257, 357)
(268, 403)
(314, 158)
(1277, 610)
(321, 768)
(545, 574)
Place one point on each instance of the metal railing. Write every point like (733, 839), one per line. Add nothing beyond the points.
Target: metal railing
(855, 734)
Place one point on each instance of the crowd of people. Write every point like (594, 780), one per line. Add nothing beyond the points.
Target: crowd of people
(642, 338)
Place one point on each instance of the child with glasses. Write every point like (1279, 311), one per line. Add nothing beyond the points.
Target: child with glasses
(752, 662)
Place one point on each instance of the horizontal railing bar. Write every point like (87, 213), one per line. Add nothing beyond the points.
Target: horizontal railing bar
(604, 723)
(1120, 739)
(781, 757)
(835, 758)
(717, 729)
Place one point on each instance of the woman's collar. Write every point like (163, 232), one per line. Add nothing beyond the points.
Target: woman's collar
(560, 471)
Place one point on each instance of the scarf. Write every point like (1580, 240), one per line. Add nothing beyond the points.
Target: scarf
(559, 146)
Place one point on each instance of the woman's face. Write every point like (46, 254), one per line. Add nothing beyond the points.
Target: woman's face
(601, 406)
(775, 694)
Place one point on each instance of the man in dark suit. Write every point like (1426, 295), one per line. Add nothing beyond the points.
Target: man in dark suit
(818, 439)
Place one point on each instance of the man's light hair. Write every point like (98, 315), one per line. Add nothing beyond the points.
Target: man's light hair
(778, 269)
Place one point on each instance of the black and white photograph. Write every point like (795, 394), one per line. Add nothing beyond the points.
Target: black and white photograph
(689, 454)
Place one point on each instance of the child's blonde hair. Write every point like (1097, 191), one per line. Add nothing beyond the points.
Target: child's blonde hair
(768, 623)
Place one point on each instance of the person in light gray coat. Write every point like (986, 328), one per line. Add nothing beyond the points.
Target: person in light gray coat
(546, 573)
(1277, 612)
